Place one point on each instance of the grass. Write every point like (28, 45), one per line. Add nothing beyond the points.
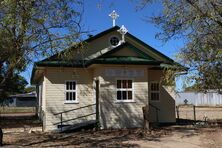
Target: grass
(8, 110)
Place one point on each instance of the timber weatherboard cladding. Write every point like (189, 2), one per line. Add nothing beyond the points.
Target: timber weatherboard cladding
(55, 94)
(121, 114)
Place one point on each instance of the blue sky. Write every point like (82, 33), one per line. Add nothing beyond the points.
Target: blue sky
(96, 19)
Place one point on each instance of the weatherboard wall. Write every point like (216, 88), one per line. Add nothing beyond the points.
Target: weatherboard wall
(55, 95)
(166, 102)
(115, 114)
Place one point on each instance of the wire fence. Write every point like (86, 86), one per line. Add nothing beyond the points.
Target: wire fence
(199, 113)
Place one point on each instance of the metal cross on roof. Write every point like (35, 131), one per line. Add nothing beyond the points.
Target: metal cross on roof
(114, 16)
(123, 31)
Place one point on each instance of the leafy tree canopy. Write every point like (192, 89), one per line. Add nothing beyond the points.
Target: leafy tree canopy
(30, 89)
(30, 29)
(15, 85)
(199, 22)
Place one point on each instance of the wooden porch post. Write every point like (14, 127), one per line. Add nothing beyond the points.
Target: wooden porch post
(146, 117)
(97, 103)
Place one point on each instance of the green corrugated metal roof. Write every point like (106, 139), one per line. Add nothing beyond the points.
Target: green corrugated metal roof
(101, 60)
(124, 60)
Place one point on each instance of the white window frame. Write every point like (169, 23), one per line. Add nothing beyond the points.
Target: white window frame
(154, 91)
(125, 89)
(76, 98)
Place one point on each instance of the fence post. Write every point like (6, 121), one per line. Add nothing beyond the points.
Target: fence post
(97, 103)
(177, 110)
(194, 113)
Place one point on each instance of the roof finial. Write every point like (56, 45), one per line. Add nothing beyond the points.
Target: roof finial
(114, 16)
(123, 31)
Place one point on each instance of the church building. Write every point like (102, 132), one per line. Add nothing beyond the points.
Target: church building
(110, 79)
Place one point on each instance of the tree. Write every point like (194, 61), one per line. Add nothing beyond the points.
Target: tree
(31, 29)
(191, 88)
(30, 89)
(15, 85)
(199, 22)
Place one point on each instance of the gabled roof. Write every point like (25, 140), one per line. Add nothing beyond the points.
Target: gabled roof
(106, 57)
(130, 36)
(151, 48)
(102, 34)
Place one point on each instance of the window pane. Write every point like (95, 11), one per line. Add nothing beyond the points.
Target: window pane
(155, 96)
(70, 85)
(130, 95)
(118, 95)
(73, 96)
(67, 96)
(124, 83)
(152, 86)
(157, 86)
(67, 85)
(124, 95)
(129, 83)
(152, 96)
(74, 85)
(118, 83)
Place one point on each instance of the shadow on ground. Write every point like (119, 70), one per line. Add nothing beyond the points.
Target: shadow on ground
(17, 122)
(115, 138)
(101, 138)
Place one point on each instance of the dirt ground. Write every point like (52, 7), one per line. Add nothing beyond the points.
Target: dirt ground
(17, 133)
(166, 137)
(18, 120)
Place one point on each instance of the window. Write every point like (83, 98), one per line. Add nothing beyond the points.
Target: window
(114, 41)
(70, 92)
(124, 90)
(154, 91)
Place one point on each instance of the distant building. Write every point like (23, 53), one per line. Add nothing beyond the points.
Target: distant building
(22, 100)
